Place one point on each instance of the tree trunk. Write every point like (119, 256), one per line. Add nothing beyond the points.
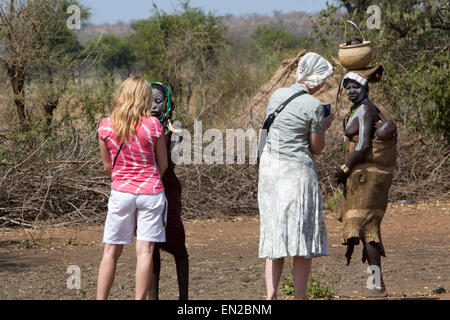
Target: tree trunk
(189, 94)
(17, 79)
(49, 110)
(349, 8)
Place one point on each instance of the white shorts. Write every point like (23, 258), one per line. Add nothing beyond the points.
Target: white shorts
(147, 214)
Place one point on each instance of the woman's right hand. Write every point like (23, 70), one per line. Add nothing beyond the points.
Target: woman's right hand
(339, 176)
(329, 121)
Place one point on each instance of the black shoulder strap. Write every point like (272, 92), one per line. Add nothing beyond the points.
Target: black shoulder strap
(269, 121)
(117, 155)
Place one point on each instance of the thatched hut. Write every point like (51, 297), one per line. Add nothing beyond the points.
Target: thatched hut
(254, 114)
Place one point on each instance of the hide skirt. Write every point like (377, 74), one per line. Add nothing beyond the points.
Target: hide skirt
(366, 194)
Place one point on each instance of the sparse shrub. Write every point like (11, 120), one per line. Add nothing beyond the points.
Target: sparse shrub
(334, 201)
(317, 288)
(94, 102)
(440, 290)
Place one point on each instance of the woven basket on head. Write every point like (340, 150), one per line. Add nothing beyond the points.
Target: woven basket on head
(357, 56)
(354, 57)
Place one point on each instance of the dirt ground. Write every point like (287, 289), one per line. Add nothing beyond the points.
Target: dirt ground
(224, 261)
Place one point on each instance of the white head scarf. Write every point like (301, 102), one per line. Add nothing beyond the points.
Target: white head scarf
(313, 70)
(355, 77)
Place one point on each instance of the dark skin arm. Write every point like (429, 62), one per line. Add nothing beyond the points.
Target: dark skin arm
(363, 124)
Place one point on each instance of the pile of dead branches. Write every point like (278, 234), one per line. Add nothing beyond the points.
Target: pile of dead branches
(218, 190)
(423, 169)
(422, 173)
(61, 181)
(58, 181)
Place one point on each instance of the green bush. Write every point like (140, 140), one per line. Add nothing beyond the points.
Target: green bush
(317, 288)
(440, 290)
(333, 203)
(114, 53)
(275, 38)
(180, 49)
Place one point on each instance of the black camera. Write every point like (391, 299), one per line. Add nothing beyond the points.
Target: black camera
(327, 109)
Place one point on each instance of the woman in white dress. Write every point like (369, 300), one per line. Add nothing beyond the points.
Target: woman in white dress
(290, 203)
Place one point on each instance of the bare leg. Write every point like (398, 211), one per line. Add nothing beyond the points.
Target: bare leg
(107, 270)
(274, 269)
(374, 259)
(153, 293)
(302, 269)
(182, 265)
(144, 253)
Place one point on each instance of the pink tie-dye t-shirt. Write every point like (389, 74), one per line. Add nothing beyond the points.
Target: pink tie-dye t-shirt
(136, 171)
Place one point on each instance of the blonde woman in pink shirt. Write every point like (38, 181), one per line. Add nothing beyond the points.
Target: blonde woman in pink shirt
(133, 151)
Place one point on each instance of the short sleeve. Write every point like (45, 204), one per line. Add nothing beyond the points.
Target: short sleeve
(104, 129)
(317, 120)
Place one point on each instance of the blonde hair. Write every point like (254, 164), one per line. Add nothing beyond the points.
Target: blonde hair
(133, 100)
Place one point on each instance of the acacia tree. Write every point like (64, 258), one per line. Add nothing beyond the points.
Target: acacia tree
(20, 34)
(34, 37)
(61, 55)
(179, 48)
(114, 53)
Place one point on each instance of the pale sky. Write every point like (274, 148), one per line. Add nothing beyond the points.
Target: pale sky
(111, 11)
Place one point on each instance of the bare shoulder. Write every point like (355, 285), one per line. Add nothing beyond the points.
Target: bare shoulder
(370, 109)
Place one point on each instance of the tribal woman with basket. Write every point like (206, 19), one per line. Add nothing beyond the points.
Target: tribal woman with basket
(370, 155)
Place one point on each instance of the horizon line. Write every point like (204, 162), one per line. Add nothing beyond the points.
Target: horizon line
(241, 15)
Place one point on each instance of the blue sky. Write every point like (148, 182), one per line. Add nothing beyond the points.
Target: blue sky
(111, 11)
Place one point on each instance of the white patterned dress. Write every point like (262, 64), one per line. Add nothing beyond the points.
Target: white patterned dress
(289, 198)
